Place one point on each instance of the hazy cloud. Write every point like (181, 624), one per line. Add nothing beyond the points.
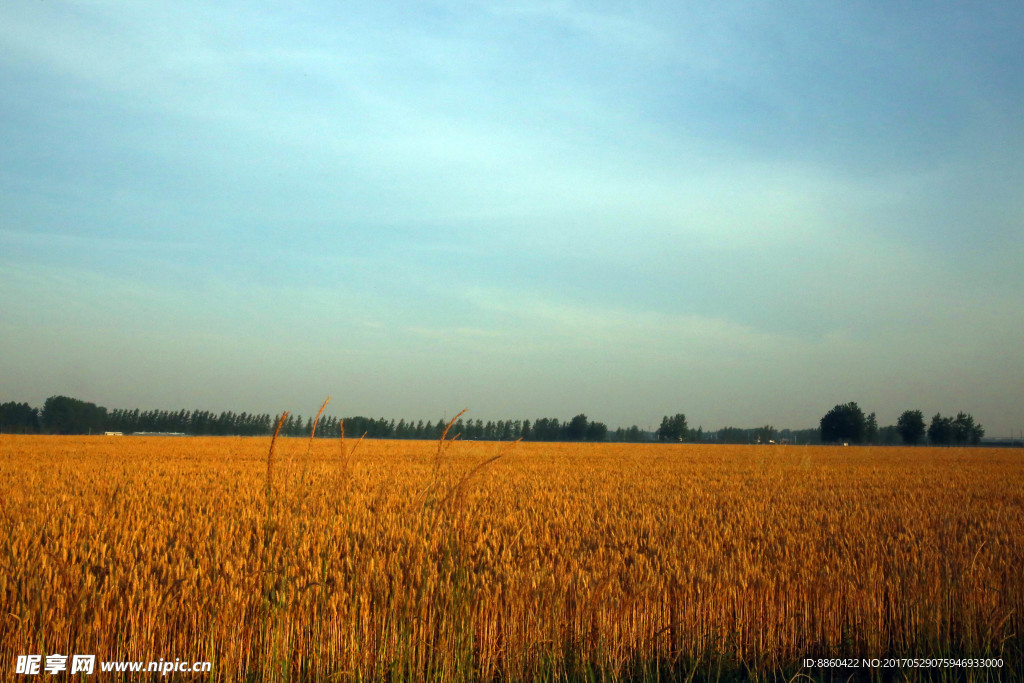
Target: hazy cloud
(524, 207)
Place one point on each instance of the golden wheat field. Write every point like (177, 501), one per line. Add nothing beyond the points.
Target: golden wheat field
(404, 560)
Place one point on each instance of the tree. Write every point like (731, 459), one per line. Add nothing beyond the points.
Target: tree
(966, 431)
(845, 422)
(546, 429)
(632, 434)
(18, 418)
(596, 431)
(911, 427)
(576, 429)
(940, 431)
(888, 436)
(733, 435)
(766, 434)
(976, 434)
(871, 429)
(63, 415)
(672, 428)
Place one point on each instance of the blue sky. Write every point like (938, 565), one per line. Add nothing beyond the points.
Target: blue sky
(747, 212)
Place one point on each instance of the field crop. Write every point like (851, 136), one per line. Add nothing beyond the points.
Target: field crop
(402, 560)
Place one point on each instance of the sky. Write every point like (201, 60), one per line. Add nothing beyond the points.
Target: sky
(745, 212)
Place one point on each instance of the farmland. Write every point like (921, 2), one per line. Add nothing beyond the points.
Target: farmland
(481, 561)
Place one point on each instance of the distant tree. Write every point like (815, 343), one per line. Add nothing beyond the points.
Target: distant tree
(672, 428)
(322, 425)
(733, 435)
(576, 428)
(845, 422)
(940, 431)
(765, 434)
(888, 436)
(64, 415)
(18, 418)
(626, 435)
(803, 436)
(963, 425)
(911, 427)
(976, 435)
(547, 429)
(871, 429)
(596, 431)
(966, 431)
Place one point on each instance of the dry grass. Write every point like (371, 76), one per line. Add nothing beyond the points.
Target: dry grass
(410, 560)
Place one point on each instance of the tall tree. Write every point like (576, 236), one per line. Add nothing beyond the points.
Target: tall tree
(596, 431)
(64, 415)
(940, 431)
(18, 418)
(672, 428)
(871, 429)
(576, 429)
(547, 429)
(911, 427)
(965, 430)
(845, 422)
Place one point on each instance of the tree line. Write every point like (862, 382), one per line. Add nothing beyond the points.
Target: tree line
(674, 429)
(65, 415)
(847, 423)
